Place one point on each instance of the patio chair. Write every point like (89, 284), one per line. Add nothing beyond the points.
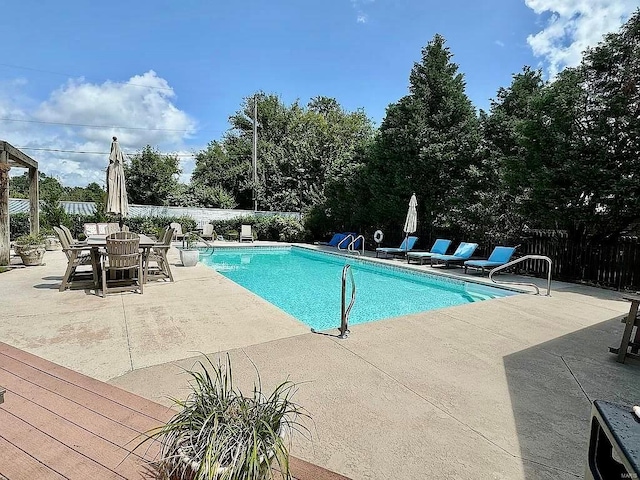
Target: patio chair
(406, 246)
(440, 247)
(90, 229)
(177, 231)
(334, 240)
(462, 253)
(246, 233)
(122, 255)
(158, 255)
(77, 256)
(499, 256)
(207, 232)
(67, 232)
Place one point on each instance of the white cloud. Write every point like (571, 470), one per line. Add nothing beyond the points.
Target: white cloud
(144, 102)
(572, 26)
(499, 43)
(359, 6)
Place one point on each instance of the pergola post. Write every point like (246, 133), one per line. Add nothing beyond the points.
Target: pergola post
(34, 203)
(4, 208)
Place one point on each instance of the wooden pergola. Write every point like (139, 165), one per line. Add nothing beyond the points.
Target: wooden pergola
(11, 157)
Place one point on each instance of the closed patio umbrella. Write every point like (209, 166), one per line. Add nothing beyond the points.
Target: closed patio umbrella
(411, 223)
(117, 202)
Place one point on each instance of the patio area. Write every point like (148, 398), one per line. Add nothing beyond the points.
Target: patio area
(500, 389)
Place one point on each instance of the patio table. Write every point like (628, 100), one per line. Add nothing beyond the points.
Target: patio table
(100, 241)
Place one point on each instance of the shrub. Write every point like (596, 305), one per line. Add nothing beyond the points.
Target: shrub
(19, 225)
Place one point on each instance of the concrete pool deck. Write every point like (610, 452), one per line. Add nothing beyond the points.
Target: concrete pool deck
(500, 389)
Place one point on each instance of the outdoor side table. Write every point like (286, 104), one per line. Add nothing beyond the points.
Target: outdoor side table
(632, 321)
(614, 445)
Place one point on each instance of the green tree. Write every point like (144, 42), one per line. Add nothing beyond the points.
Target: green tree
(427, 143)
(151, 176)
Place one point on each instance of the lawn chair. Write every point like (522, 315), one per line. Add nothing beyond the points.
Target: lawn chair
(77, 256)
(462, 253)
(158, 255)
(207, 232)
(177, 231)
(407, 245)
(440, 247)
(72, 241)
(246, 233)
(122, 256)
(498, 257)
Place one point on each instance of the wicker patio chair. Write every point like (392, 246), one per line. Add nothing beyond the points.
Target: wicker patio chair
(122, 256)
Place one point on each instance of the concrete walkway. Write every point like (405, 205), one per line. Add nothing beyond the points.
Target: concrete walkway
(500, 389)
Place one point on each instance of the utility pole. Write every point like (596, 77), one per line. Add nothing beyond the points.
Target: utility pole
(255, 153)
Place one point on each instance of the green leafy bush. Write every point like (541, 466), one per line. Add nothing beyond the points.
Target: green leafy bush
(271, 227)
(19, 225)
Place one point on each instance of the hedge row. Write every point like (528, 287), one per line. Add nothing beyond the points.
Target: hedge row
(274, 228)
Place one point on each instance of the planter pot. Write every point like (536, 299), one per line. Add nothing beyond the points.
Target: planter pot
(52, 244)
(189, 258)
(183, 467)
(31, 255)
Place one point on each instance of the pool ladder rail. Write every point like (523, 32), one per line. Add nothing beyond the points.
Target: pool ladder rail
(344, 312)
(345, 309)
(208, 246)
(350, 246)
(519, 260)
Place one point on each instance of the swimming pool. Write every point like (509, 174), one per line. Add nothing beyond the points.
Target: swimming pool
(306, 284)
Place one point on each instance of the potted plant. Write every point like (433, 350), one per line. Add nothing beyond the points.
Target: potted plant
(190, 255)
(31, 248)
(51, 241)
(221, 434)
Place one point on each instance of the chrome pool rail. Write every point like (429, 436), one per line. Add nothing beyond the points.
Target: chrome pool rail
(519, 260)
(344, 312)
(344, 241)
(352, 248)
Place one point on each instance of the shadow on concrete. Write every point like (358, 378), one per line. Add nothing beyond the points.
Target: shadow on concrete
(552, 386)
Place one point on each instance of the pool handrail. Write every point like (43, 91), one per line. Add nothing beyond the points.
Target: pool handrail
(348, 237)
(344, 312)
(352, 248)
(522, 259)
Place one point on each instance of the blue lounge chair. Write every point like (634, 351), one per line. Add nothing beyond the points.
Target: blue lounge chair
(462, 253)
(406, 246)
(499, 256)
(334, 240)
(440, 247)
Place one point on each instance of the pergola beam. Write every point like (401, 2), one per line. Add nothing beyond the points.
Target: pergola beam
(12, 157)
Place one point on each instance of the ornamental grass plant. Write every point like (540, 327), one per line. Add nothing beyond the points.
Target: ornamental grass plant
(221, 434)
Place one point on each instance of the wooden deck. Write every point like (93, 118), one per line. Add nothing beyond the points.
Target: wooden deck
(58, 424)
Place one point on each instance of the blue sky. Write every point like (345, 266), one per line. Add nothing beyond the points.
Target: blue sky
(175, 71)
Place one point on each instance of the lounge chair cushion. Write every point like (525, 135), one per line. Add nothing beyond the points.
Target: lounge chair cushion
(499, 256)
(463, 252)
(440, 247)
(406, 245)
(336, 239)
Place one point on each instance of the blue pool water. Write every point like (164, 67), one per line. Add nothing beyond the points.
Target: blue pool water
(306, 284)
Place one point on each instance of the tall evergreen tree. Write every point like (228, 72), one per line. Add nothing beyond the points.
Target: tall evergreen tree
(427, 143)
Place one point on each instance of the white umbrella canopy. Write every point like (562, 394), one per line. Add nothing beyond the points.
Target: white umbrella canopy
(117, 202)
(411, 223)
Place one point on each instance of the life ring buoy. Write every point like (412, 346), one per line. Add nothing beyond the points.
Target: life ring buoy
(378, 236)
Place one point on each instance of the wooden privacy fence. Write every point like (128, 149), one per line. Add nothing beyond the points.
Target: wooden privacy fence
(612, 264)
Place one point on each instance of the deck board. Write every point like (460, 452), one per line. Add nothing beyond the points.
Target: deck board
(16, 459)
(58, 424)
